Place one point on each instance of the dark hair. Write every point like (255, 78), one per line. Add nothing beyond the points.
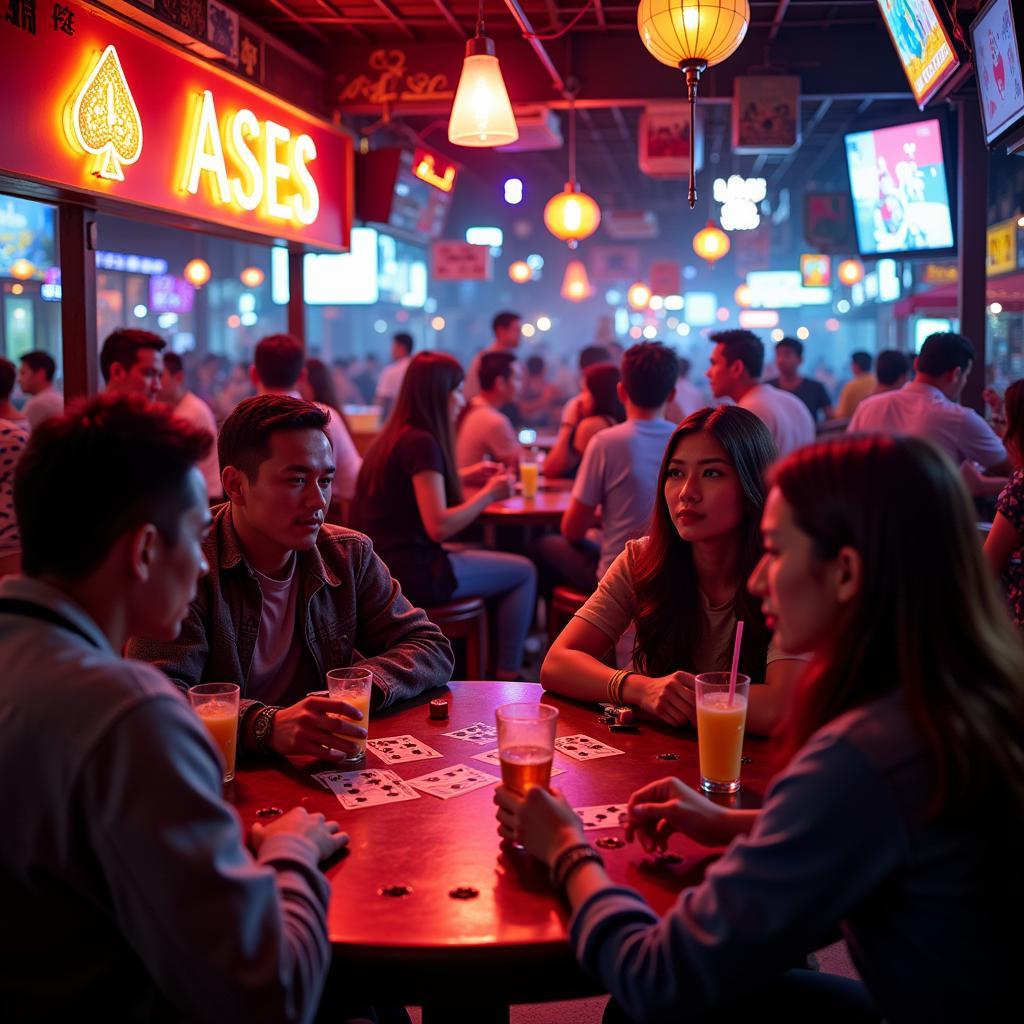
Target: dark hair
(131, 457)
(684, 366)
(506, 318)
(601, 381)
(591, 355)
(122, 347)
(244, 440)
(668, 604)
(279, 359)
(890, 366)
(943, 352)
(494, 365)
(8, 375)
(37, 360)
(649, 373)
(934, 629)
(422, 403)
(1013, 405)
(744, 346)
(793, 344)
(321, 383)
(173, 362)
(862, 360)
(405, 340)
(535, 365)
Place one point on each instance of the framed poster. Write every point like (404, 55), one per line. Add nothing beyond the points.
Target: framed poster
(766, 114)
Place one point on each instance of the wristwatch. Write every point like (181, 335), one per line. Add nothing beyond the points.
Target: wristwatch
(263, 725)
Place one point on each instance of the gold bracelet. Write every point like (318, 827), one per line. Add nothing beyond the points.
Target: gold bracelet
(612, 683)
(622, 685)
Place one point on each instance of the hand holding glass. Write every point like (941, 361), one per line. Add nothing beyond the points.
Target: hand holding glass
(526, 744)
(355, 687)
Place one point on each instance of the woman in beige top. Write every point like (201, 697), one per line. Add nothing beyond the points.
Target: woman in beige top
(684, 585)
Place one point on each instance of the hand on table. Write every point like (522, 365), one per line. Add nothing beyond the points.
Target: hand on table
(326, 835)
(661, 808)
(543, 822)
(308, 728)
(500, 486)
(670, 698)
(480, 473)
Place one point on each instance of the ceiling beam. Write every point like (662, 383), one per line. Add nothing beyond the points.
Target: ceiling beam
(823, 108)
(780, 13)
(395, 18)
(517, 12)
(446, 13)
(354, 29)
(294, 17)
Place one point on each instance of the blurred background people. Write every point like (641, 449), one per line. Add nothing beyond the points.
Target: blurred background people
(855, 390)
(196, 412)
(35, 378)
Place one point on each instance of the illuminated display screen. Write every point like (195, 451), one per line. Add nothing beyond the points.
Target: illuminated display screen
(27, 232)
(922, 45)
(996, 36)
(342, 279)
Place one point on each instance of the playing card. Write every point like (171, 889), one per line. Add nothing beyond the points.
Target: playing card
(367, 788)
(584, 748)
(479, 733)
(454, 781)
(491, 757)
(399, 749)
(602, 816)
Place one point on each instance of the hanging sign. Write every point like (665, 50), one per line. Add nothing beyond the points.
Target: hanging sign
(766, 114)
(460, 261)
(663, 141)
(112, 112)
(1001, 248)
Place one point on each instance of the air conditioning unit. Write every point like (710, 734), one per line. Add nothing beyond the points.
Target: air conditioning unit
(539, 128)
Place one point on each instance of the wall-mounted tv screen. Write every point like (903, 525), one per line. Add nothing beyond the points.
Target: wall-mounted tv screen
(900, 194)
(996, 35)
(922, 44)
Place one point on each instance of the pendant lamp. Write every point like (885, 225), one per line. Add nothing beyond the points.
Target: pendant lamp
(576, 284)
(572, 215)
(711, 243)
(692, 35)
(481, 114)
(850, 272)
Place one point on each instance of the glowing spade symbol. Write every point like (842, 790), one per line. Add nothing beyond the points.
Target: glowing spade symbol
(105, 120)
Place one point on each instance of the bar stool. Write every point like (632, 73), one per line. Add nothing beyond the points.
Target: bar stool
(564, 604)
(465, 620)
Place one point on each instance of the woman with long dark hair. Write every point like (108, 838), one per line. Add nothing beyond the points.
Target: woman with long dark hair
(409, 500)
(898, 817)
(683, 585)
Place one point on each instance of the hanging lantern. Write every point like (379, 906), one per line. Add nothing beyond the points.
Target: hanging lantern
(743, 295)
(520, 271)
(850, 272)
(252, 277)
(692, 35)
(481, 114)
(572, 215)
(197, 272)
(576, 285)
(22, 269)
(638, 296)
(711, 243)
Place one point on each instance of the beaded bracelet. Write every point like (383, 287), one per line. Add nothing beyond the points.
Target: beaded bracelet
(569, 860)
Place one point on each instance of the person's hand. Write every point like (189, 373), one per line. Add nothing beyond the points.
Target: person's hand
(326, 835)
(670, 698)
(668, 806)
(501, 486)
(972, 478)
(311, 729)
(543, 822)
(993, 400)
(480, 473)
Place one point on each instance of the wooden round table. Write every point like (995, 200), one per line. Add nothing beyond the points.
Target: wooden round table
(466, 955)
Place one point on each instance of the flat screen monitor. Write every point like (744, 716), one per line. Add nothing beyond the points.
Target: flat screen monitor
(996, 35)
(922, 43)
(343, 279)
(900, 195)
(28, 231)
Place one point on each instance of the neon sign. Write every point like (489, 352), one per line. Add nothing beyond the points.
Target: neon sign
(425, 167)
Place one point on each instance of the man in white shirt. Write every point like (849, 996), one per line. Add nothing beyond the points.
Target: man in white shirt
(35, 378)
(195, 411)
(735, 372)
(390, 381)
(619, 472)
(929, 407)
(279, 362)
(507, 328)
(484, 431)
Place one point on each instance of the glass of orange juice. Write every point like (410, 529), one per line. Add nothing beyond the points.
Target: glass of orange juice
(217, 705)
(720, 725)
(529, 470)
(354, 686)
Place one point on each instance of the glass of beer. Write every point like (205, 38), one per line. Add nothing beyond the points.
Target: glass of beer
(217, 705)
(720, 725)
(526, 744)
(354, 686)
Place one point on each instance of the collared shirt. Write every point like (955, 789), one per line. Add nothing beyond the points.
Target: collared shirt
(41, 407)
(786, 417)
(127, 890)
(920, 410)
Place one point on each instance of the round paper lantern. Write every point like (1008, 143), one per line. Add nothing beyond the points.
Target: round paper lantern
(711, 243)
(638, 296)
(252, 277)
(197, 272)
(22, 269)
(850, 272)
(520, 271)
(572, 216)
(742, 295)
(676, 31)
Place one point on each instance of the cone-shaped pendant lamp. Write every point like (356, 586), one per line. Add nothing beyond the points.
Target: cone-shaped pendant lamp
(576, 284)
(481, 114)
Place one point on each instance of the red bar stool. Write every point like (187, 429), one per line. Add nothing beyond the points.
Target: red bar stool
(564, 604)
(465, 622)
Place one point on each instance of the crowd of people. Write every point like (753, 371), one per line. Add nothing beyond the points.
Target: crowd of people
(254, 544)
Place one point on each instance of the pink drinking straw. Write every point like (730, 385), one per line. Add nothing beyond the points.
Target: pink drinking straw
(735, 661)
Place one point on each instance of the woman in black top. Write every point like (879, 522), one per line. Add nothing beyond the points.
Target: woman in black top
(409, 500)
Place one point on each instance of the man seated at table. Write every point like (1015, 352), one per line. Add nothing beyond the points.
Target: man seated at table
(288, 597)
(484, 431)
(127, 889)
(132, 362)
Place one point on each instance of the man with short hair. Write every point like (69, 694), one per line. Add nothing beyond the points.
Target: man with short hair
(619, 472)
(735, 372)
(279, 363)
(195, 411)
(929, 407)
(507, 327)
(127, 888)
(288, 597)
(484, 431)
(131, 361)
(391, 377)
(891, 371)
(856, 390)
(35, 378)
(789, 354)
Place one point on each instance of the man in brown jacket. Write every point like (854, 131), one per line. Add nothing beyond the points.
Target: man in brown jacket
(289, 597)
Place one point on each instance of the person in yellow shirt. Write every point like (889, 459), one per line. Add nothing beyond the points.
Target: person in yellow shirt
(856, 390)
